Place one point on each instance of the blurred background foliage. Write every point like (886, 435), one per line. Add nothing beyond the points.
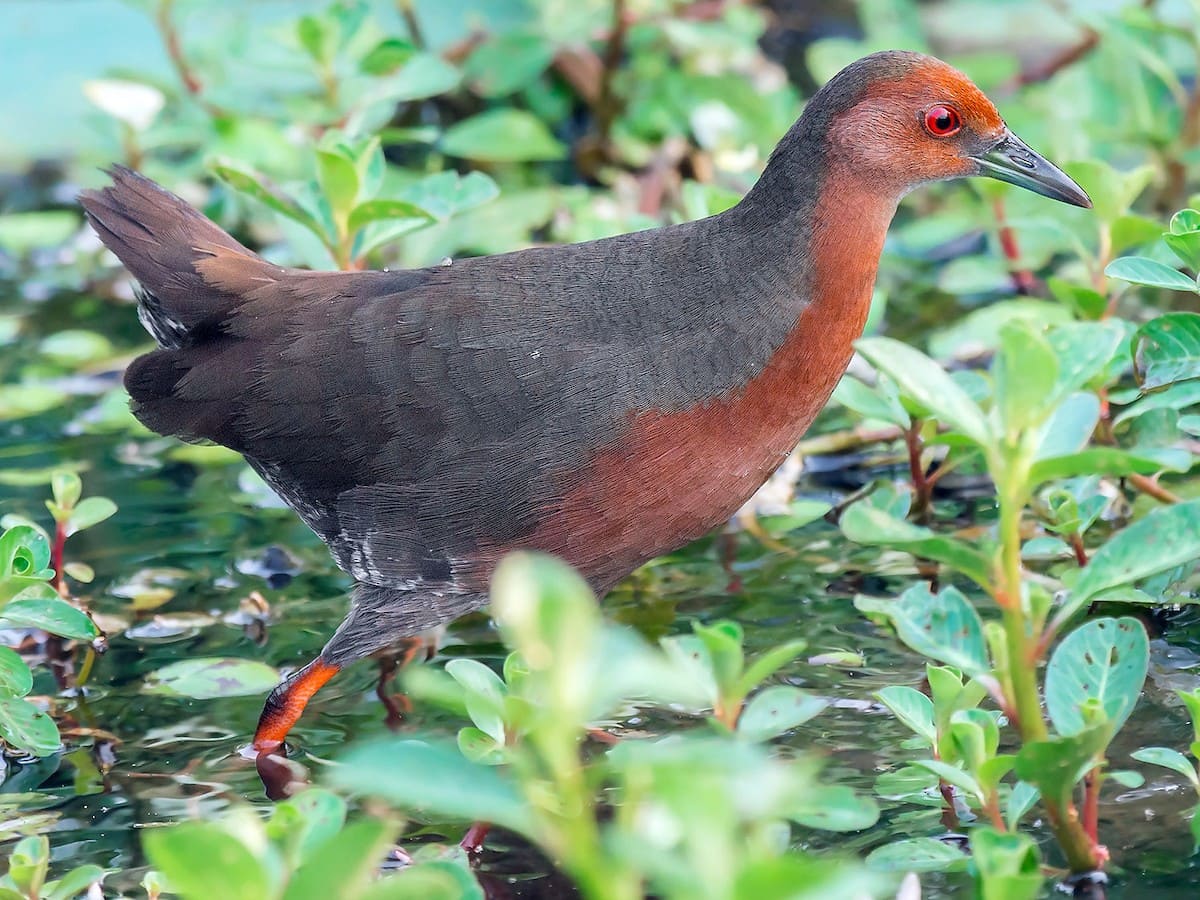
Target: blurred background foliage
(402, 132)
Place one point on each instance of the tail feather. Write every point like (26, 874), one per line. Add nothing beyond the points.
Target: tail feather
(162, 241)
(192, 278)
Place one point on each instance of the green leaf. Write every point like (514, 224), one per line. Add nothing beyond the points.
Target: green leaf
(202, 860)
(1054, 765)
(502, 135)
(767, 663)
(387, 56)
(1109, 461)
(318, 37)
(1112, 191)
(28, 863)
(922, 379)
(867, 524)
(259, 187)
(917, 855)
(343, 866)
(912, 708)
(383, 210)
(484, 695)
(480, 747)
(27, 728)
(1024, 372)
(66, 487)
(1084, 350)
(1168, 759)
(301, 824)
(15, 678)
(960, 778)
(1161, 540)
(880, 402)
(88, 512)
(425, 75)
(1167, 350)
(777, 709)
(1103, 660)
(1150, 273)
(1020, 801)
(209, 678)
(508, 62)
(51, 614)
(432, 778)
(723, 640)
(1191, 699)
(73, 884)
(944, 627)
(338, 178)
(835, 807)
(24, 551)
(428, 880)
(1008, 864)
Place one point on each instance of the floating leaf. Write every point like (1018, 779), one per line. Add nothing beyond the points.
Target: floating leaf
(24, 726)
(1168, 759)
(917, 855)
(777, 709)
(835, 807)
(208, 678)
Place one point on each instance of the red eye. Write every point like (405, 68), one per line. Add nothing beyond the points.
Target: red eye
(942, 121)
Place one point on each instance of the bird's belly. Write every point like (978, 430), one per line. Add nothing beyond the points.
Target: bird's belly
(673, 477)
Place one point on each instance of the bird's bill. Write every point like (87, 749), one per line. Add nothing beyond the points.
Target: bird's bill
(1014, 161)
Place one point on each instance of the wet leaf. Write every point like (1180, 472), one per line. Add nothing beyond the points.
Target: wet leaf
(777, 709)
(51, 614)
(1168, 759)
(835, 807)
(917, 855)
(208, 678)
(1103, 660)
(24, 726)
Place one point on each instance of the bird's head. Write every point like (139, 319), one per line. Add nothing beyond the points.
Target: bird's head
(901, 119)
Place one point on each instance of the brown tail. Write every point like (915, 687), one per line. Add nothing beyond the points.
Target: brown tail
(193, 276)
(161, 239)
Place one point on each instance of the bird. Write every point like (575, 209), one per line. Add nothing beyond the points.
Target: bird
(605, 402)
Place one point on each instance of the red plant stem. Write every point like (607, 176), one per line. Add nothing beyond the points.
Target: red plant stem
(1091, 806)
(1152, 488)
(949, 813)
(921, 487)
(56, 558)
(1081, 557)
(472, 841)
(1022, 277)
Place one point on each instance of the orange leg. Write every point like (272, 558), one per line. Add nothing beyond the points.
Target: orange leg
(286, 704)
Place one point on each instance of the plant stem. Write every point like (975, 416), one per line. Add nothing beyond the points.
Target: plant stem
(922, 491)
(1081, 850)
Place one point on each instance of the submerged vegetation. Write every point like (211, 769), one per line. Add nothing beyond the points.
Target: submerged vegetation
(956, 651)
